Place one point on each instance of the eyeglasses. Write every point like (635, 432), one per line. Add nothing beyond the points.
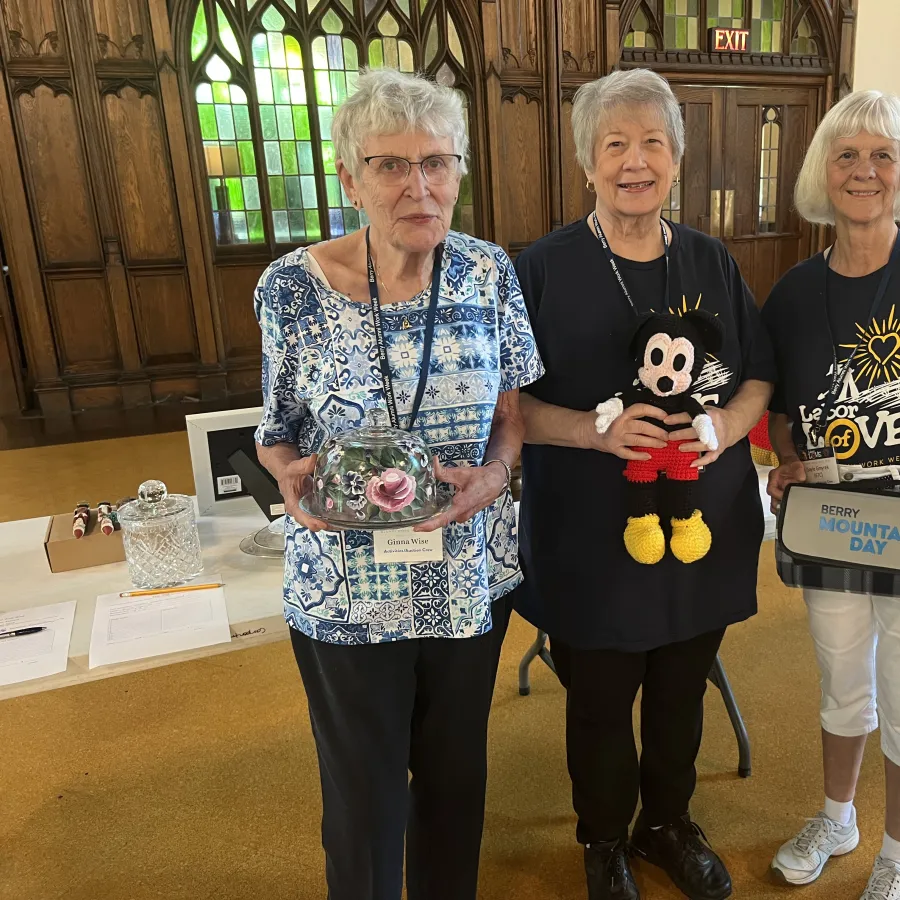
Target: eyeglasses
(439, 169)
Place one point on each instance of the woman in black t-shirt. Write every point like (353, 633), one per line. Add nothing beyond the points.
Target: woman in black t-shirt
(837, 348)
(616, 625)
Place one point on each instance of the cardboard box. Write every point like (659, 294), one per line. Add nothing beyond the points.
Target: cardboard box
(66, 552)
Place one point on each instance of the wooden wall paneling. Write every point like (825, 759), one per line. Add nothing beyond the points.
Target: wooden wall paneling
(82, 37)
(197, 241)
(579, 36)
(57, 174)
(493, 66)
(24, 270)
(151, 231)
(164, 317)
(552, 69)
(119, 29)
(578, 201)
(85, 327)
(32, 29)
(12, 392)
(525, 164)
(520, 24)
(611, 35)
(240, 330)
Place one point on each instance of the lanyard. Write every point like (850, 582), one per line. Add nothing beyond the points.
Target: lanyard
(617, 272)
(839, 377)
(386, 380)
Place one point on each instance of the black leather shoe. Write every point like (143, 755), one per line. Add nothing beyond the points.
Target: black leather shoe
(683, 852)
(608, 872)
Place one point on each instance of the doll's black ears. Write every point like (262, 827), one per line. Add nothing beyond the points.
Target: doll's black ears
(639, 335)
(708, 326)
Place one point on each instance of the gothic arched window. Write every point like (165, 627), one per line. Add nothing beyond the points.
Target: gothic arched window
(267, 76)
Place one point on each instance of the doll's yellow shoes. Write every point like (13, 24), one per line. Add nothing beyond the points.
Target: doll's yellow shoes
(644, 539)
(691, 539)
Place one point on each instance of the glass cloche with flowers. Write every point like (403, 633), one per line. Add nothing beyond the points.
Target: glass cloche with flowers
(375, 477)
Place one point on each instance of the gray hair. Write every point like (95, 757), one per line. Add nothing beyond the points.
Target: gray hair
(391, 102)
(873, 111)
(597, 100)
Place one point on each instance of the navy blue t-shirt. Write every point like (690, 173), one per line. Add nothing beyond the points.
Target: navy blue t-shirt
(581, 585)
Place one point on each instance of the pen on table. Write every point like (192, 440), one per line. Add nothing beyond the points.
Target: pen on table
(171, 590)
(21, 631)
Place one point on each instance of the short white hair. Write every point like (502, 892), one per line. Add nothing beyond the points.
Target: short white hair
(597, 100)
(388, 101)
(873, 111)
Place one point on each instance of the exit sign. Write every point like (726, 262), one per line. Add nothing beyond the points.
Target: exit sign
(722, 40)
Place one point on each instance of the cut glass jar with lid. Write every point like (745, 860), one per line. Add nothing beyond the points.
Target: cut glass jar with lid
(375, 477)
(159, 531)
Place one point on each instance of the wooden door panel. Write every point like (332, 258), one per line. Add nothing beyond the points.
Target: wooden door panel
(240, 330)
(578, 201)
(523, 171)
(84, 325)
(701, 169)
(120, 32)
(766, 244)
(33, 28)
(60, 191)
(164, 319)
(152, 229)
(519, 35)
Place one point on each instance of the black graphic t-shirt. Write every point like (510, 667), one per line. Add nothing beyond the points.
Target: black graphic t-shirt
(580, 583)
(863, 424)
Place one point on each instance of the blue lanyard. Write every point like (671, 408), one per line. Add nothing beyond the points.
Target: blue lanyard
(617, 272)
(386, 380)
(818, 429)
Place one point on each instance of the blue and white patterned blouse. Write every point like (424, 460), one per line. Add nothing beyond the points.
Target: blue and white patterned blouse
(321, 374)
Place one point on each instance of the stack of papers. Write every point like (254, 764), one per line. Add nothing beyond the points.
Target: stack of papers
(36, 655)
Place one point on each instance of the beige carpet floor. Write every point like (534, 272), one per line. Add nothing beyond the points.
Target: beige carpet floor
(198, 781)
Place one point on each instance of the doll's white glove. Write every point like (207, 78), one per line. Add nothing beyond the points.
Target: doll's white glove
(608, 412)
(706, 431)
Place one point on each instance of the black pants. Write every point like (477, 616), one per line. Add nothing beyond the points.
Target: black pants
(607, 776)
(380, 712)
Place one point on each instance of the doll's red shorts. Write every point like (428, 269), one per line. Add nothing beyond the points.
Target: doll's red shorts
(669, 460)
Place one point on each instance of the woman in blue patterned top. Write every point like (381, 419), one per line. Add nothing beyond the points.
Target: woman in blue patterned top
(398, 660)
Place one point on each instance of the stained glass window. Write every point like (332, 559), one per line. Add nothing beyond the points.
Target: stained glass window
(682, 24)
(389, 50)
(805, 42)
(230, 158)
(766, 26)
(199, 33)
(768, 171)
(725, 13)
(336, 67)
(287, 140)
(268, 76)
(640, 34)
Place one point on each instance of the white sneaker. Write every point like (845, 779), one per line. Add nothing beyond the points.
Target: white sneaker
(801, 859)
(884, 883)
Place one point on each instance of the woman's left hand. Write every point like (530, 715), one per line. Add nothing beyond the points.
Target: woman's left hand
(722, 422)
(477, 487)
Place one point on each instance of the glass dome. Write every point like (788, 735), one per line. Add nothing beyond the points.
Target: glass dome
(375, 477)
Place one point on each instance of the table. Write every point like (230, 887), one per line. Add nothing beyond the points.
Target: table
(253, 591)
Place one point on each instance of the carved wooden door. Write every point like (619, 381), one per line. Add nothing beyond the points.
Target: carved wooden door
(767, 131)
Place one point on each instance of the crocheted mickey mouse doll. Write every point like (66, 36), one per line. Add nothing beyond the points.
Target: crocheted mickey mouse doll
(671, 350)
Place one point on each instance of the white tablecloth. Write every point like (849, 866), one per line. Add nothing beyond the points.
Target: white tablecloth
(252, 589)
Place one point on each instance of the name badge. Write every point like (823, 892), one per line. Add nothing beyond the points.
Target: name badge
(821, 465)
(403, 545)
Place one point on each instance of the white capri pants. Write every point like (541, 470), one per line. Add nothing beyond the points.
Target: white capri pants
(857, 640)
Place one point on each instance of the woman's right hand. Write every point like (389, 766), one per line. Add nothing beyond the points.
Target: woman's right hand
(628, 431)
(295, 480)
(790, 472)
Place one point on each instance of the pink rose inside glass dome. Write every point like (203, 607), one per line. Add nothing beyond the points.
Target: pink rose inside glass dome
(392, 490)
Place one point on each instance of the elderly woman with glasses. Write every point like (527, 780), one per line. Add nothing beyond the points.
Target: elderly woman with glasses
(398, 661)
(636, 611)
